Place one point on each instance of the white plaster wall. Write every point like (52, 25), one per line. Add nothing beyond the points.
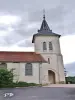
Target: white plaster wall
(61, 68)
(38, 45)
(52, 66)
(31, 79)
(19, 72)
(16, 71)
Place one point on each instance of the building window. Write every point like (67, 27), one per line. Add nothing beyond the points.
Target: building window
(50, 46)
(28, 69)
(48, 61)
(3, 65)
(44, 46)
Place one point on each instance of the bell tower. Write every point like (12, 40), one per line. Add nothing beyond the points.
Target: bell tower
(46, 42)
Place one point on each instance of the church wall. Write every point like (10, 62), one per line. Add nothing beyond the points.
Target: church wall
(19, 72)
(16, 70)
(53, 66)
(31, 79)
(38, 45)
(61, 68)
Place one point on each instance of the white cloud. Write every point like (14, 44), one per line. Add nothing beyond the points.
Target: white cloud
(16, 48)
(68, 48)
(32, 25)
(6, 24)
(26, 42)
(8, 19)
(3, 33)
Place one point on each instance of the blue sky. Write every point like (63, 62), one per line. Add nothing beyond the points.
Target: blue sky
(20, 19)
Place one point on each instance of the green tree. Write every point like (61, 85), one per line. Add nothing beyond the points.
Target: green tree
(6, 77)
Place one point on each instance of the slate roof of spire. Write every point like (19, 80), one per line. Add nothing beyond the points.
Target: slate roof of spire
(44, 30)
(44, 26)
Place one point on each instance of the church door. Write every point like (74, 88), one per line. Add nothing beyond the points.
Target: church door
(51, 77)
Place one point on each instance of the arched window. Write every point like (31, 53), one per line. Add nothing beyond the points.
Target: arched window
(44, 46)
(50, 46)
(28, 69)
(48, 61)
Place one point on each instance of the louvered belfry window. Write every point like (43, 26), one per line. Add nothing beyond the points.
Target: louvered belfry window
(44, 46)
(50, 46)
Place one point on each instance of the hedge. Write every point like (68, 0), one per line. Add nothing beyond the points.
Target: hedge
(18, 84)
(70, 79)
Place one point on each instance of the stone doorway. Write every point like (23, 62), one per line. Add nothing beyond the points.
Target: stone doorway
(51, 77)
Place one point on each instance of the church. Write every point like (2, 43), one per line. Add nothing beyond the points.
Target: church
(44, 66)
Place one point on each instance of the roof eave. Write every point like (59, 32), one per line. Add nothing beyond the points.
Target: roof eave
(25, 61)
(33, 39)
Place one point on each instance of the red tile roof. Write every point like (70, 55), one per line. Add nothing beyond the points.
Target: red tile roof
(20, 57)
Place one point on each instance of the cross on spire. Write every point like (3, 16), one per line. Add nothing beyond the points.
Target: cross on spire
(44, 14)
(44, 26)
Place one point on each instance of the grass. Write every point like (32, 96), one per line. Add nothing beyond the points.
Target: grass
(19, 84)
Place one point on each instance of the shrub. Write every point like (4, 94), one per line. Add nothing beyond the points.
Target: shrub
(6, 77)
(21, 84)
(70, 79)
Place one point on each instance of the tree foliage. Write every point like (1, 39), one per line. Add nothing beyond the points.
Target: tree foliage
(70, 79)
(6, 77)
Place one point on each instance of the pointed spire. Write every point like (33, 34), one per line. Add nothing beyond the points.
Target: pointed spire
(44, 30)
(44, 26)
